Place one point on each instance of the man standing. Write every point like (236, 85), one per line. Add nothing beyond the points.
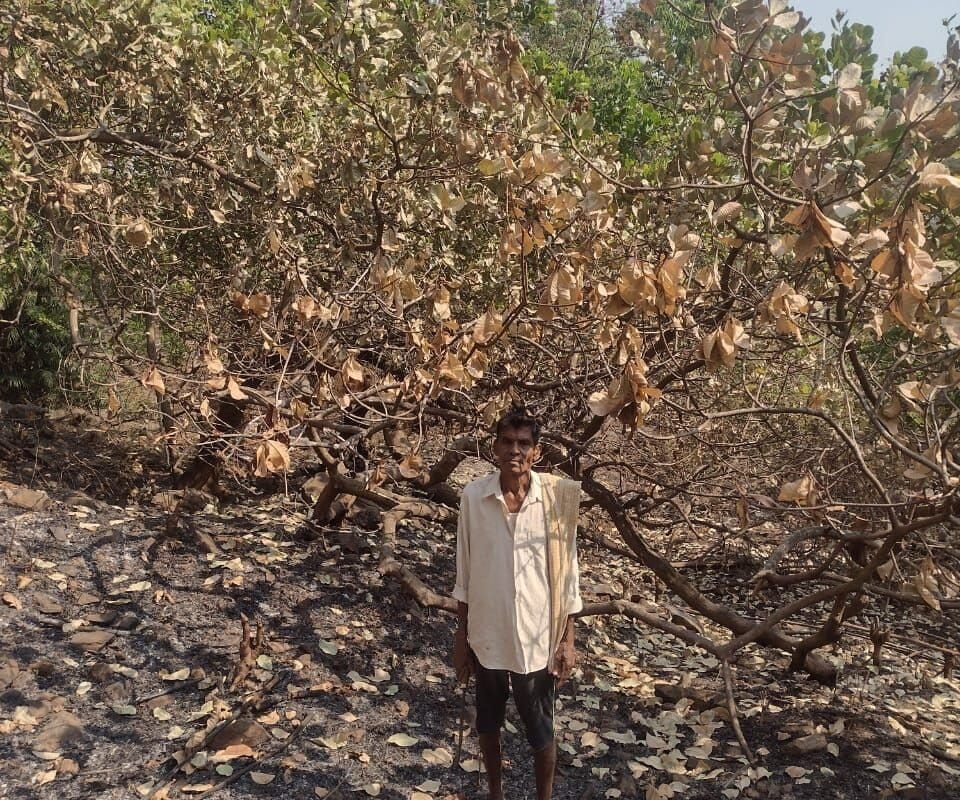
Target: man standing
(517, 589)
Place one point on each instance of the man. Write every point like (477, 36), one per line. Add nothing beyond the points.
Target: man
(517, 589)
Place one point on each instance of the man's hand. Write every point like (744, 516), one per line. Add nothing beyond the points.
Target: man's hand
(462, 657)
(564, 660)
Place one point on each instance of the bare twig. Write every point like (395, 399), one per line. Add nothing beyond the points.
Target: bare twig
(176, 687)
(732, 708)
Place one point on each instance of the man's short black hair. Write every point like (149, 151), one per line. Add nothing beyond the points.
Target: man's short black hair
(519, 417)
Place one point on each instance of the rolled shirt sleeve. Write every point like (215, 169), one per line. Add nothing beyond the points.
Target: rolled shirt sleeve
(463, 554)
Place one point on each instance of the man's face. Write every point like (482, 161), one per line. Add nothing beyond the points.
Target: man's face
(515, 451)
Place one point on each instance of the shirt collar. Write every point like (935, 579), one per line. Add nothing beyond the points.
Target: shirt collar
(492, 488)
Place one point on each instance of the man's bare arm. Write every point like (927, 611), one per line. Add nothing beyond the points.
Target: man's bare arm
(565, 659)
(568, 635)
(462, 659)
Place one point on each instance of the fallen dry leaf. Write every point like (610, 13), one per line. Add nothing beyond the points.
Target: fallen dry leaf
(196, 788)
(623, 737)
(68, 766)
(336, 741)
(590, 739)
(795, 772)
(44, 777)
(231, 752)
(402, 740)
(154, 380)
(440, 757)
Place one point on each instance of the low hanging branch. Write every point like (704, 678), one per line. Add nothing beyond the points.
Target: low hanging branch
(820, 669)
(391, 567)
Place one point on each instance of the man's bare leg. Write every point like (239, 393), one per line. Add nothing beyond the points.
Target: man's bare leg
(545, 764)
(493, 762)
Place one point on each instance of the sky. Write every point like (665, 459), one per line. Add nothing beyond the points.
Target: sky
(896, 25)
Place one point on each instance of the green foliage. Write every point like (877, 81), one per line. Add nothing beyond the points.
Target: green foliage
(533, 12)
(677, 27)
(851, 43)
(33, 347)
(613, 92)
(908, 66)
(619, 70)
(33, 332)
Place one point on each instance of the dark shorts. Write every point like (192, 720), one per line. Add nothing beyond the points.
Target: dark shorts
(533, 694)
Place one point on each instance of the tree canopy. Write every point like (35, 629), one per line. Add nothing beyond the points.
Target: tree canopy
(715, 252)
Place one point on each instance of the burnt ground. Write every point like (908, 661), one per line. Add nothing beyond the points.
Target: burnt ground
(119, 645)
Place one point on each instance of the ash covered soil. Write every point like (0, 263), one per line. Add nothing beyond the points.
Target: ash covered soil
(124, 673)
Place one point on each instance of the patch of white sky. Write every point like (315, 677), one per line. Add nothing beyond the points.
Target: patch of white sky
(896, 25)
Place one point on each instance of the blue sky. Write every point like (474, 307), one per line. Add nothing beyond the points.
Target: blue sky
(896, 26)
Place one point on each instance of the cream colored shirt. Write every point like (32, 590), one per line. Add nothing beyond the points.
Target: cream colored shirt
(502, 576)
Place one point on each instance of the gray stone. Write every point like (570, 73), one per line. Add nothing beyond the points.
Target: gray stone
(241, 731)
(62, 731)
(809, 744)
(46, 604)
